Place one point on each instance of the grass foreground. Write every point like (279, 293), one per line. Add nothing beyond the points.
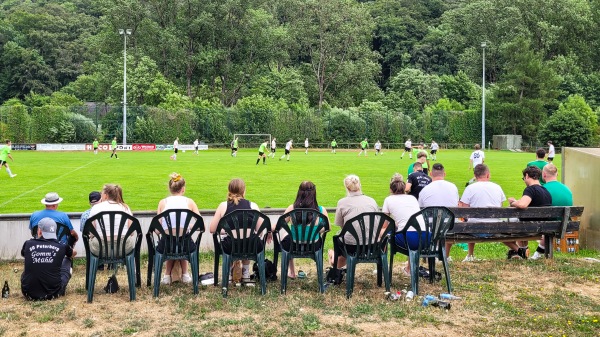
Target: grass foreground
(559, 297)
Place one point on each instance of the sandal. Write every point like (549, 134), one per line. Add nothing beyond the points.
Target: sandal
(301, 274)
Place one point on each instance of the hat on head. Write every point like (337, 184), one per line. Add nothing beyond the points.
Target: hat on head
(48, 227)
(95, 197)
(52, 198)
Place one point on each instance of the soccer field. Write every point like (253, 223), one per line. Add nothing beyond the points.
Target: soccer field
(144, 176)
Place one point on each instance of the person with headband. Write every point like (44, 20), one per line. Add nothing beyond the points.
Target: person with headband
(176, 200)
(401, 206)
(348, 207)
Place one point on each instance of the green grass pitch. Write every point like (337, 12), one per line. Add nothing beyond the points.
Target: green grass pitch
(144, 175)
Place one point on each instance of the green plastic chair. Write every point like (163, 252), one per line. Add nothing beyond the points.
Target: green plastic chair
(306, 229)
(241, 238)
(371, 232)
(63, 233)
(113, 224)
(432, 240)
(176, 247)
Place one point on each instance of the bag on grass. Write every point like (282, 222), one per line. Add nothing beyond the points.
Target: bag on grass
(335, 276)
(270, 271)
(112, 286)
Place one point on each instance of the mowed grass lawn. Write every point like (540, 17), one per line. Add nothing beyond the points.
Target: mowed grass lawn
(144, 176)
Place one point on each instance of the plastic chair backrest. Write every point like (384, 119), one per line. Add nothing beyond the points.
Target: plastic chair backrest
(370, 231)
(241, 226)
(182, 225)
(437, 221)
(112, 228)
(305, 226)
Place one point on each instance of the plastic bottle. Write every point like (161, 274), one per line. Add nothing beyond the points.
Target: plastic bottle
(446, 296)
(429, 300)
(5, 290)
(409, 295)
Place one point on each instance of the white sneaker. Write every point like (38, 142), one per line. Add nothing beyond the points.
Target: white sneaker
(536, 256)
(469, 258)
(13, 175)
(186, 278)
(166, 279)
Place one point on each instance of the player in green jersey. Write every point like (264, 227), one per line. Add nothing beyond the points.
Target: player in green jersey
(234, 147)
(261, 152)
(333, 146)
(364, 145)
(113, 146)
(95, 145)
(4, 155)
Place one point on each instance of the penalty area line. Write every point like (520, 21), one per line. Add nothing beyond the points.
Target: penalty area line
(49, 182)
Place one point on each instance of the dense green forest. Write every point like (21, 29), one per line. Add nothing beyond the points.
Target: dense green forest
(323, 69)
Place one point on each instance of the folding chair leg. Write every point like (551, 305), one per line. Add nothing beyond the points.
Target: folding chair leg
(216, 268)
(226, 264)
(350, 271)
(319, 261)
(414, 270)
(261, 271)
(91, 282)
(158, 264)
(193, 259)
(447, 271)
(131, 275)
(392, 253)
(285, 263)
(386, 273)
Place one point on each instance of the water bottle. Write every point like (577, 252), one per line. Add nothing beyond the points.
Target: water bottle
(429, 299)
(409, 295)
(445, 296)
(5, 290)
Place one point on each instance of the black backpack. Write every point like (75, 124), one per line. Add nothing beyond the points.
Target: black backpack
(112, 286)
(270, 271)
(335, 276)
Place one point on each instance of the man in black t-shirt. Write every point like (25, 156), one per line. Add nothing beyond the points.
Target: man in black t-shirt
(534, 195)
(47, 264)
(417, 180)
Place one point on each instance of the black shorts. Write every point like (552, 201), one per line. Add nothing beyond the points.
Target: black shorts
(377, 150)
(96, 148)
(185, 247)
(407, 149)
(433, 151)
(260, 154)
(3, 163)
(273, 149)
(176, 150)
(334, 147)
(227, 245)
(337, 247)
(363, 148)
(234, 149)
(196, 148)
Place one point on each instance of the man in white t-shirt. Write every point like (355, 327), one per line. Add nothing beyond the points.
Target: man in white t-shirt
(273, 148)
(477, 157)
(306, 146)
(439, 192)
(288, 147)
(434, 149)
(175, 149)
(551, 152)
(407, 148)
(481, 193)
(196, 146)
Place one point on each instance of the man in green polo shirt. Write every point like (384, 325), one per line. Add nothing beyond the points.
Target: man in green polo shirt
(540, 154)
(113, 146)
(333, 146)
(363, 146)
(95, 145)
(4, 155)
(561, 196)
(261, 152)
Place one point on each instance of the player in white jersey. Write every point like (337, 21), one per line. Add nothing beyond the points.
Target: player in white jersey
(288, 147)
(273, 147)
(434, 149)
(378, 148)
(407, 148)
(477, 157)
(305, 146)
(551, 152)
(196, 146)
(175, 148)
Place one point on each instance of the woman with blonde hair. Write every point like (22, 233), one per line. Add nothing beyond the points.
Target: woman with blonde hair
(176, 200)
(236, 194)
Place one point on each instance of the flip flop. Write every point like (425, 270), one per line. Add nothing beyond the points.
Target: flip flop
(301, 274)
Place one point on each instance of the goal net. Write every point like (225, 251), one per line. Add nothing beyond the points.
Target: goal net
(252, 140)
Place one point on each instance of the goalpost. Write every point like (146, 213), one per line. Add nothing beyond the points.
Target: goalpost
(252, 139)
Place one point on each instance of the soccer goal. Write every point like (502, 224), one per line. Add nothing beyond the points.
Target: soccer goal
(250, 140)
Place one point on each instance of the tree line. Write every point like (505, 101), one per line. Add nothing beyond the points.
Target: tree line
(344, 69)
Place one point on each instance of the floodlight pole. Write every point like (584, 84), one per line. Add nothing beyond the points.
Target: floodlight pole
(124, 32)
(483, 45)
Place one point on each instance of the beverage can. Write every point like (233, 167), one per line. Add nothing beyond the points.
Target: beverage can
(409, 295)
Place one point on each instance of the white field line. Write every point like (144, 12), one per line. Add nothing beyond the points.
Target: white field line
(49, 182)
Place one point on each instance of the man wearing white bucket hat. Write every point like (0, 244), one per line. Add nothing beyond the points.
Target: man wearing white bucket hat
(51, 201)
(47, 264)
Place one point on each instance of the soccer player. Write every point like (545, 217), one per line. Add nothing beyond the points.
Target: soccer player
(363, 146)
(95, 145)
(550, 152)
(288, 147)
(477, 157)
(539, 162)
(378, 148)
(261, 152)
(4, 155)
(434, 149)
(333, 146)
(196, 146)
(113, 146)
(273, 147)
(234, 147)
(175, 148)
(407, 148)
(306, 146)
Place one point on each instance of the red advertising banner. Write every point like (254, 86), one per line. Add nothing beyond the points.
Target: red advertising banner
(143, 147)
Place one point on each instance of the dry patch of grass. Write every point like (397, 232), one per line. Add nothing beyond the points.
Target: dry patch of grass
(541, 298)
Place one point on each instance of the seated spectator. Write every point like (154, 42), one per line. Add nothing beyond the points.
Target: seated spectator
(47, 264)
(94, 198)
(236, 200)
(348, 207)
(111, 200)
(51, 201)
(176, 200)
(481, 193)
(401, 207)
(305, 198)
(417, 180)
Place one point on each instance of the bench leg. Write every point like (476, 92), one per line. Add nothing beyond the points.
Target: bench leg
(548, 244)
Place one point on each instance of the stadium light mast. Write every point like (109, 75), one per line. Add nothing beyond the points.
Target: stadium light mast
(124, 32)
(483, 45)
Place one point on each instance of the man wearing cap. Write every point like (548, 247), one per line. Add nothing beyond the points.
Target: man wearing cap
(51, 200)
(94, 198)
(47, 264)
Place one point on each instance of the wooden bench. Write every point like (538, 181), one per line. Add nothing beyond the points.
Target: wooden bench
(525, 224)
